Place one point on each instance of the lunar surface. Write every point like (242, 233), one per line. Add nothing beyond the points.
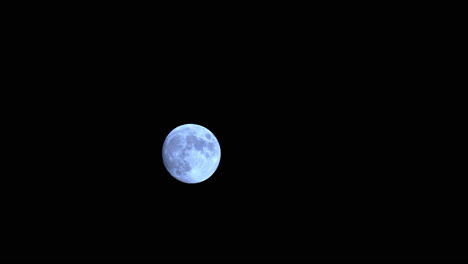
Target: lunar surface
(191, 153)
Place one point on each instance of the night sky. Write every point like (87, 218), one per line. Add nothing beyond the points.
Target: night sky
(324, 148)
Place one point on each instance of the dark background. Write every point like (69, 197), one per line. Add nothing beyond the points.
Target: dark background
(327, 138)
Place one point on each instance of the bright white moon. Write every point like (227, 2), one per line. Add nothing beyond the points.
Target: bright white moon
(191, 153)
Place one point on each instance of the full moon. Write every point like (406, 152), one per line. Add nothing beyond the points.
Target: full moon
(191, 153)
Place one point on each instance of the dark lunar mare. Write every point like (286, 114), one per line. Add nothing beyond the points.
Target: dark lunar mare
(196, 142)
(210, 146)
(171, 146)
(181, 166)
(173, 143)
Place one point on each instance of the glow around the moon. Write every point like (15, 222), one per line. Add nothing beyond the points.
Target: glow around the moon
(191, 153)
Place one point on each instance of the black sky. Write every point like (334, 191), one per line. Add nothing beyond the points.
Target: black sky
(323, 140)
